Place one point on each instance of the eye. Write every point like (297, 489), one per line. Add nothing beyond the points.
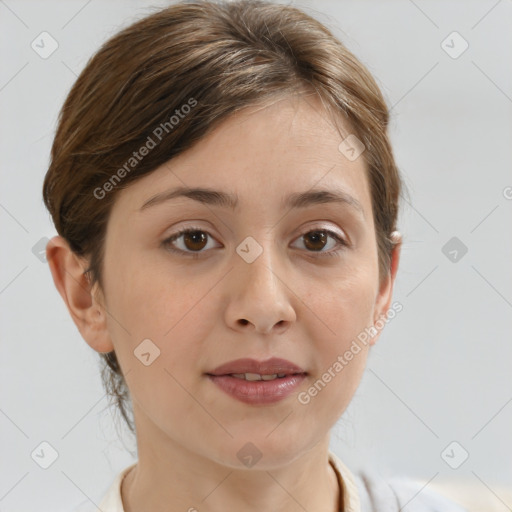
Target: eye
(194, 240)
(316, 240)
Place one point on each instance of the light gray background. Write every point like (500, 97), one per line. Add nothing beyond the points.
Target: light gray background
(441, 369)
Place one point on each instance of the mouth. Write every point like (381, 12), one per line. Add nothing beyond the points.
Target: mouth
(254, 382)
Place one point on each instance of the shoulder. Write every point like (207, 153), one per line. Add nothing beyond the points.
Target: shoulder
(110, 500)
(395, 493)
(368, 491)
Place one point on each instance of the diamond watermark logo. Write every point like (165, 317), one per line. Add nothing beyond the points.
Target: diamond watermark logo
(454, 455)
(454, 249)
(147, 352)
(44, 455)
(454, 45)
(351, 147)
(39, 249)
(44, 45)
(249, 455)
(249, 249)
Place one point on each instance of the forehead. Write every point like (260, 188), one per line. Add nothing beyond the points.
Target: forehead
(262, 153)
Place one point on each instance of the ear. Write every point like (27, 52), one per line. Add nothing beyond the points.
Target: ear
(87, 311)
(385, 293)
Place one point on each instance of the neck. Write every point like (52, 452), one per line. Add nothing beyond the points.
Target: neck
(169, 478)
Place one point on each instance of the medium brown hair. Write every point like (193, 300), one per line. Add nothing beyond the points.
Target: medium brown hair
(217, 58)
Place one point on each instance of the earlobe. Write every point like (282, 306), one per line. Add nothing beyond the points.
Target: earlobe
(75, 289)
(385, 294)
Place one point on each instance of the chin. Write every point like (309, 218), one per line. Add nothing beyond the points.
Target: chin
(260, 452)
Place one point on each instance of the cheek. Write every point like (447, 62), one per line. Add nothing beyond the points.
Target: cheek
(168, 310)
(345, 312)
(344, 307)
(174, 317)
(149, 301)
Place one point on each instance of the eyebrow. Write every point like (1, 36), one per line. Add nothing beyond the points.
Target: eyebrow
(226, 200)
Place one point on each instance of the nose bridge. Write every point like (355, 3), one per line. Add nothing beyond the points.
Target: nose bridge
(261, 296)
(259, 262)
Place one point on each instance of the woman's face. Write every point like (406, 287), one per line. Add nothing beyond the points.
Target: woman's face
(264, 279)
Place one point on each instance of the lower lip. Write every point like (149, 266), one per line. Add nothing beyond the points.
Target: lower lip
(260, 391)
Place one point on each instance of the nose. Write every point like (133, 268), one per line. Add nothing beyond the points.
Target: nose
(260, 297)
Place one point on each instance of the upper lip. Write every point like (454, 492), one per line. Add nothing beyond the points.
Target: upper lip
(271, 366)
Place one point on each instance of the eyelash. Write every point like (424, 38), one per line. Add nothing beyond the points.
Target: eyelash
(167, 243)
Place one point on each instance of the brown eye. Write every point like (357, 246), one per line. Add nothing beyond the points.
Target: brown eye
(315, 240)
(195, 240)
(319, 239)
(189, 242)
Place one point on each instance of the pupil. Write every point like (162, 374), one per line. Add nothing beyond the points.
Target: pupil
(316, 236)
(195, 237)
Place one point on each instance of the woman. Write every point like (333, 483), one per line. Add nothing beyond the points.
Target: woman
(226, 200)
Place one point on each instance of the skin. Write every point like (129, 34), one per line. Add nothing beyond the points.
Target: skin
(290, 302)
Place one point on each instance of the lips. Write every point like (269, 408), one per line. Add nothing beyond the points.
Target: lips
(272, 366)
(258, 382)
